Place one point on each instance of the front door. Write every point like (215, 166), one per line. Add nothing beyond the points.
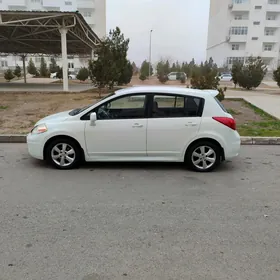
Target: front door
(120, 131)
(175, 122)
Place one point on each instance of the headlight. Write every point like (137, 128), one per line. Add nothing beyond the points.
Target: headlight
(41, 128)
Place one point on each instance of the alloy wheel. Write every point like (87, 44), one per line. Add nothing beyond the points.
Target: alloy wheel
(63, 154)
(203, 157)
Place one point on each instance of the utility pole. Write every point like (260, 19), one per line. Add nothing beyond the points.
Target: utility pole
(150, 53)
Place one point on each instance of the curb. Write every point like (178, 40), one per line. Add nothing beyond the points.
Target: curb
(18, 138)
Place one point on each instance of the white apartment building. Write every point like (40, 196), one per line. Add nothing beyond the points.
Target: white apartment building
(94, 12)
(241, 28)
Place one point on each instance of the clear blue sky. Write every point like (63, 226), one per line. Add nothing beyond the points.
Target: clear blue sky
(180, 27)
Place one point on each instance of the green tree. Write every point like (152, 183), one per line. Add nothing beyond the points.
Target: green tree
(252, 73)
(59, 73)
(205, 77)
(111, 62)
(9, 75)
(126, 74)
(173, 68)
(83, 74)
(276, 76)
(17, 72)
(145, 69)
(31, 69)
(53, 66)
(235, 72)
(43, 68)
(135, 68)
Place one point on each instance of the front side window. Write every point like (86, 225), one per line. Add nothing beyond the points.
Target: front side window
(171, 106)
(126, 107)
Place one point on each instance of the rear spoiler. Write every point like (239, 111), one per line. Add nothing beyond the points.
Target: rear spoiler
(212, 92)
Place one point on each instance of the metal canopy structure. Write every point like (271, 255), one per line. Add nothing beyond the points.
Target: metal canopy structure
(54, 33)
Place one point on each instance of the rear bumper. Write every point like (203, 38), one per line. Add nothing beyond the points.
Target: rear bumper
(232, 148)
(35, 147)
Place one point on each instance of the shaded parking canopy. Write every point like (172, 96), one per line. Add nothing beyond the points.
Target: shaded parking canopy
(23, 32)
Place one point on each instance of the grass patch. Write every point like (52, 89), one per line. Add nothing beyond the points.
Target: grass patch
(233, 112)
(3, 107)
(268, 129)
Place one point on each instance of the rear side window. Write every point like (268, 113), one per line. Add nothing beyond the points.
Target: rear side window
(172, 106)
(221, 104)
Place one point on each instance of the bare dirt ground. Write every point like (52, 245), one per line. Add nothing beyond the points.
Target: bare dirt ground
(20, 111)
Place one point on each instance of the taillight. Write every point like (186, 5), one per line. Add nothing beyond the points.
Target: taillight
(229, 122)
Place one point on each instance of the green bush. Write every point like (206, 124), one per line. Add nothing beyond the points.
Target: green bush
(9, 75)
(276, 76)
(251, 73)
(142, 77)
(83, 74)
(17, 72)
(163, 78)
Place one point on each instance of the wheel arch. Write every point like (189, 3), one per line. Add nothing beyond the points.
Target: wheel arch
(205, 139)
(62, 137)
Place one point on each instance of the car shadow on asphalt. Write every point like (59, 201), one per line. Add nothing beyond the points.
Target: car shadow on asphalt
(224, 167)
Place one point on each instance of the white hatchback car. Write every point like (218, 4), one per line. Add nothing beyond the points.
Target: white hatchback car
(150, 123)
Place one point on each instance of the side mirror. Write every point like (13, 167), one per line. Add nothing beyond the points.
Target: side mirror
(93, 118)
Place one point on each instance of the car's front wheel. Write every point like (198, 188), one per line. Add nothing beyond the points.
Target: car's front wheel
(63, 154)
(203, 156)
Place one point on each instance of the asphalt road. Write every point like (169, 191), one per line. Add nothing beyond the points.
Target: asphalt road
(129, 221)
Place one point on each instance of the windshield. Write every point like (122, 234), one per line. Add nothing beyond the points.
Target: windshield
(80, 110)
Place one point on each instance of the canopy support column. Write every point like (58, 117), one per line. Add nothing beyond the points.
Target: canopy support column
(63, 32)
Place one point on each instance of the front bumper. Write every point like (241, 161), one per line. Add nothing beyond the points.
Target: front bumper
(35, 146)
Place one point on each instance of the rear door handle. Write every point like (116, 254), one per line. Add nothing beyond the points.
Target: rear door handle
(137, 125)
(191, 124)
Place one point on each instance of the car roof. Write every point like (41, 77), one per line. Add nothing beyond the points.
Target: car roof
(167, 89)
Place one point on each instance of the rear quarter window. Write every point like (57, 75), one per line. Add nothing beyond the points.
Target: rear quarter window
(221, 105)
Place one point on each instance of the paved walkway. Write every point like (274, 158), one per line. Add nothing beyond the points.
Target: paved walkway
(269, 103)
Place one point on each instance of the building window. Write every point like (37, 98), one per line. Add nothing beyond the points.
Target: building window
(4, 63)
(270, 17)
(238, 17)
(255, 38)
(235, 47)
(267, 47)
(87, 14)
(269, 32)
(70, 65)
(35, 1)
(232, 60)
(256, 22)
(68, 3)
(239, 30)
(239, 1)
(272, 1)
(258, 7)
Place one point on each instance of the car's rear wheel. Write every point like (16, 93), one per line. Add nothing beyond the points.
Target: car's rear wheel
(203, 156)
(63, 154)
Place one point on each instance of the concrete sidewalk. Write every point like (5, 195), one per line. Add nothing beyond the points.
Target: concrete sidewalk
(267, 102)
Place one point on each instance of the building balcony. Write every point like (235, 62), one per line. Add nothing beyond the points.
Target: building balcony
(271, 54)
(275, 8)
(237, 38)
(51, 3)
(272, 23)
(85, 4)
(17, 3)
(271, 39)
(245, 7)
(243, 22)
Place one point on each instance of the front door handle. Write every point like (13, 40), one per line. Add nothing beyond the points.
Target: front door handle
(137, 125)
(191, 124)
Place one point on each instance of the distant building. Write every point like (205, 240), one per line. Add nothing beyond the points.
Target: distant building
(94, 12)
(241, 28)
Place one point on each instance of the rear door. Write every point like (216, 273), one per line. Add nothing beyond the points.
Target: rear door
(174, 121)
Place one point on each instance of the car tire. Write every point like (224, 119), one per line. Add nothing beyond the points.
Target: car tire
(63, 153)
(203, 156)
